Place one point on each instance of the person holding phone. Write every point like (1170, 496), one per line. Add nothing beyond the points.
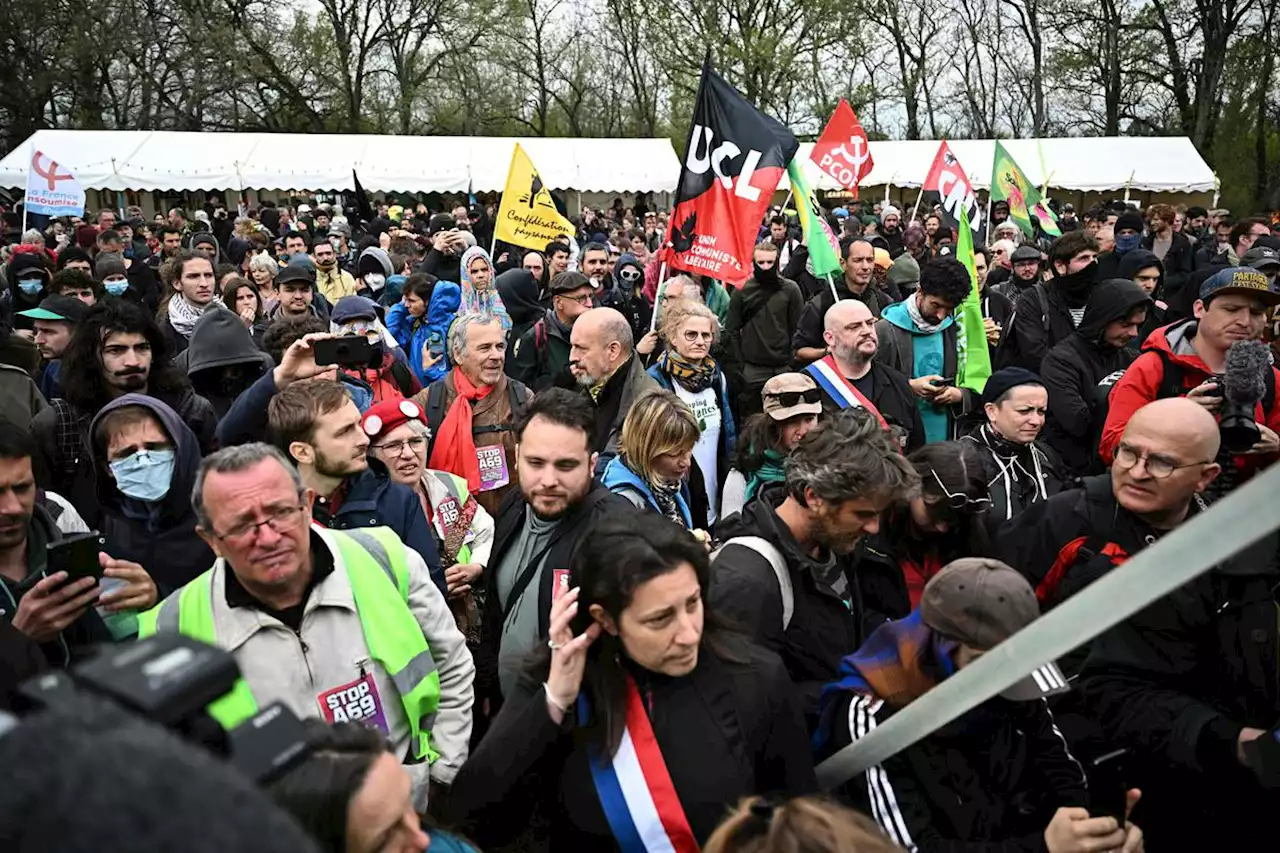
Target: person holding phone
(919, 338)
(60, 610)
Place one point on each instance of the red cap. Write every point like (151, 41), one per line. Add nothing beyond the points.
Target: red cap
(389, 414)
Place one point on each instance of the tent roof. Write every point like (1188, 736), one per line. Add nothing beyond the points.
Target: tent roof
(153, 160)
(1082, 164)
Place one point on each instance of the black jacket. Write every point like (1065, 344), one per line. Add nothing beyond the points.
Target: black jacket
(1179, 261)
(540, 357)
(510, 519)
(1018, 475)
(1073, 368)
(808, 333)
(1036, 326)
(758, 328)
(988, 782)
(1158, 312)
(1176, 682)
(739, 719)
(744, 589)
(891, 394)
(161, 537)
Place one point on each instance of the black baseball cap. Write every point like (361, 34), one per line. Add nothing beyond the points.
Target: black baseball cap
(65, 308)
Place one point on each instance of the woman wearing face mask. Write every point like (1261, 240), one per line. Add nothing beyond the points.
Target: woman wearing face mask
(918, 536)
(638, 685)
(398, 438)
(686, 367)
(146, 459)
(655, 456)
(29, 279)
(353, 796)
(768, 437)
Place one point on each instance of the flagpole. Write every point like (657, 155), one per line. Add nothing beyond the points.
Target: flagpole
(25, 200)
(832, 282)
(988, 240)
(657, 296)
(916, 209)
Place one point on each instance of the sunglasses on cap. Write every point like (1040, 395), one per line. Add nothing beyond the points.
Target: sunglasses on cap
(959, 502)
(787, 399)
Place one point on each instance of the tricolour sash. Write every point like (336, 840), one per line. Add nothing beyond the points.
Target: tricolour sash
(635, 789)
(840, 389)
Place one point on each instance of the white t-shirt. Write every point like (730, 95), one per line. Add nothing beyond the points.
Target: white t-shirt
(706, 410)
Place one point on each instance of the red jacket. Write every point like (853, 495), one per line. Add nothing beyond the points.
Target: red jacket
(1141, 385)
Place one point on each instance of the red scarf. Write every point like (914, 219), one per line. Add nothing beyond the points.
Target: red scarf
(455, 446)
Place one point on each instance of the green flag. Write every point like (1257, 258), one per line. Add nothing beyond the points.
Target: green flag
(1048, 222)
(971, 339)
(1010, 184)
(824, 249)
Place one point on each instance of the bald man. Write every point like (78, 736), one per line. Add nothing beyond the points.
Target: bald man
(1189, 683)
(849, 375)
(1164, 462)
(603, 362)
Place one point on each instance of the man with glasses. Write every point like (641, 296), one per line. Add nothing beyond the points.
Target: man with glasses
(313, 621)
(540, 358)
(316, 423)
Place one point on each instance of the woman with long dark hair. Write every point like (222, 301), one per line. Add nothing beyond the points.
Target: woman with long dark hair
(637, 677)
(792, 404)
(945, 521)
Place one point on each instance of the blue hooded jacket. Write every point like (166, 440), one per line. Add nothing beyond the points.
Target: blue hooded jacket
(620, 479)
(430, 330)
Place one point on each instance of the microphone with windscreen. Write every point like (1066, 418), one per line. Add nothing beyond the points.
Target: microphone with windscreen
(1244, 384)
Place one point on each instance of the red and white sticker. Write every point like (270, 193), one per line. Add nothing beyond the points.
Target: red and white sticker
(357, 702)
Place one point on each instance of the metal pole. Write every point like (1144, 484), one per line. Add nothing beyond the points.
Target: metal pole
(657, 295)
(832, 282)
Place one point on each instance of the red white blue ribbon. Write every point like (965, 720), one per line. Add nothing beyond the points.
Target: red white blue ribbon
(635, 789)
(841, 390)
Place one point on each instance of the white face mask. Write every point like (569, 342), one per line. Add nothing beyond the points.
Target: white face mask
(375, 280)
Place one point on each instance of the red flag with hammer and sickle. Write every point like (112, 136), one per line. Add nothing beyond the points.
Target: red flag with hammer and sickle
(843, 151)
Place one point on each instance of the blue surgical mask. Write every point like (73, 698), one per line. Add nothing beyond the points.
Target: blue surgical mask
(1127, 243)
(146, 475)
(116, 288)
(31, 286)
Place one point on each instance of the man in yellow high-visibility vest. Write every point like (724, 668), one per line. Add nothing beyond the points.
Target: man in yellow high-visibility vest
(344, 626)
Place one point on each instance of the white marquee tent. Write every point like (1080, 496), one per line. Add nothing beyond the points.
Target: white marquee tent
(169, 160)
(1158, 164)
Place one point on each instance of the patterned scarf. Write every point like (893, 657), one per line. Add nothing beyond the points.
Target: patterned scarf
(770, 471)
(183, 315)
(664, 495)
(899, 663)
(485, 301)
(913, 311)
(694, 378)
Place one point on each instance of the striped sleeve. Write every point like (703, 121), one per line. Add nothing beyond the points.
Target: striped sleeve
(880, 793)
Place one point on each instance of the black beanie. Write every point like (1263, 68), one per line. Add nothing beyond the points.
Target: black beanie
(72, 253)
(1005, 379)
(1129, 219)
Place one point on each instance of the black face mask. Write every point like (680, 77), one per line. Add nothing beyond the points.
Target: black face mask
(1078, 284)
(763, 276)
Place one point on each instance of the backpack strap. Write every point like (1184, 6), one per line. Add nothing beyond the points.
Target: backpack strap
(1043, 298)
(517, 397)
(68, 439)
(435, 409)
(777, 562)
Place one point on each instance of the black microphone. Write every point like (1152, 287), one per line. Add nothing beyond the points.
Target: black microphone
(1243, 386)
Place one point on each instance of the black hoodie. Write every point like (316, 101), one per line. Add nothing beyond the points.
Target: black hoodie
(1158, 313)
(160, 536)
(1072, 370)
(519, 292)
(218, 342)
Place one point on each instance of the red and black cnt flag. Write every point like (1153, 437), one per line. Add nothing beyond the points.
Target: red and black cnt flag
(734, 159)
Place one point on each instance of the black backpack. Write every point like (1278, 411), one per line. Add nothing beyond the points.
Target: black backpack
(517, 398)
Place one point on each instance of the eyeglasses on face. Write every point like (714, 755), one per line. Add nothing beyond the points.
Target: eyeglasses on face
(397, 448)
(1159, 467)
(584, 299)
(280, 519)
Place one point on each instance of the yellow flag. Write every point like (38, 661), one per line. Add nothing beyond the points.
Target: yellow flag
(528, 217)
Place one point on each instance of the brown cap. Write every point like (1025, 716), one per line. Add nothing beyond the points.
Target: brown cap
(981, 603)
(789, 394)
(569, 281)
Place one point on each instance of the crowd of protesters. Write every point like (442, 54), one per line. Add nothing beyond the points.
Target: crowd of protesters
(556, 548)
